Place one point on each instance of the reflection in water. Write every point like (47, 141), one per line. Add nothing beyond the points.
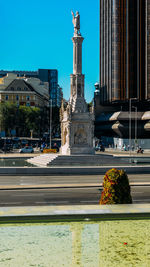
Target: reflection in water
(71, 244)
(76, 230)
(22, 162)
(15, 162)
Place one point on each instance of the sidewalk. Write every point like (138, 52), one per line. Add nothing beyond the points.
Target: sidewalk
(119, 153)
(108, 151)
(19, 155)
(74, 213)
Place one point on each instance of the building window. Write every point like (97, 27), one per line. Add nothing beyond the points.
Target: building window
(6, 97)
(12, 88)
(18, 89)
(28, 98)
(17, 97)
(28, 104)
(25, 89)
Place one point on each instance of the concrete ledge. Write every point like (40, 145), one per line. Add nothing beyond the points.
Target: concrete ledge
(74, 213)
(88, 170)
(56, 186)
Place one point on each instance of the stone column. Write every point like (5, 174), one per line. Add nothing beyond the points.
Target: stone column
(77, 54)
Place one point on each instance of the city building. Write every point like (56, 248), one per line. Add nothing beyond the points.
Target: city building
(19, 90)
(49, 76)
(123, 97)
(124, 50)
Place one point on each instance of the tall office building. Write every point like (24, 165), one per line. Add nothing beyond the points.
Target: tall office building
(124, 50)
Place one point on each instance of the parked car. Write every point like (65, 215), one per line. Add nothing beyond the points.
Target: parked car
(26, 149)
(100, 148)
(7, 148)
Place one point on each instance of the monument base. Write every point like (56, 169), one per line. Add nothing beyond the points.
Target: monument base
(65, 150)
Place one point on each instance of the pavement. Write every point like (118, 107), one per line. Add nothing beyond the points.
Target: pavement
(120, 153)
(108, 151)
(74, 213)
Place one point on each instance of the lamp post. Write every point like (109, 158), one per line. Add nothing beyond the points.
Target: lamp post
(50, 123)
(135, 141)
(130, 119)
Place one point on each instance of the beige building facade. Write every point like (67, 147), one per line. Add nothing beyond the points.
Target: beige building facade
(23, 91)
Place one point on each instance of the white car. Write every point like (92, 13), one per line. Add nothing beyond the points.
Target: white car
(27, 149)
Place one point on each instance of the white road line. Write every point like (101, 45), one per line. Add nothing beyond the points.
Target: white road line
(141, 200)
(28, 195)
(10, 203)
(137, 192)
(50, 202)
(89, 201)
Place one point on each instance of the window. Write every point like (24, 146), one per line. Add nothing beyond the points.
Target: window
(6, 97)
(28, 104)
(25, 89)
(17, 97)
(18, 89)
(12, 88)
(28, 98)
(53, 73)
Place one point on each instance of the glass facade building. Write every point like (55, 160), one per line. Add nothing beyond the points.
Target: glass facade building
(124, 50)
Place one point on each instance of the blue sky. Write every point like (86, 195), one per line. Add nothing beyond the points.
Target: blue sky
(37, 34)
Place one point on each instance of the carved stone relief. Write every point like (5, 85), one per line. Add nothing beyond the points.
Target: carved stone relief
(80, 137)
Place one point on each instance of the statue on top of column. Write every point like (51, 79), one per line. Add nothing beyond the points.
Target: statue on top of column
(76, 22)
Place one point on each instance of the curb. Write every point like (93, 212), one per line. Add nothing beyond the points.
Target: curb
(54, 186)
(79, 170)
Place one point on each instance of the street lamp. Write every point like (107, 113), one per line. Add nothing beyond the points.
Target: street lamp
(135, 141)
(50, 123)
(130, 118)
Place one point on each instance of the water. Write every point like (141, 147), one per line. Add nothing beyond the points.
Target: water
(15, 162)
(22, 162)
(88, 244)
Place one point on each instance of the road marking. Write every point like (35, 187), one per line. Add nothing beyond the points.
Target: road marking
(10, 203)
(134, 192)
(29, 194)
(142, 200)
(89, 201)
(51, 202)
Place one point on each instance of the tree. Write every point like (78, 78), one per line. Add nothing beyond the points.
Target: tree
(8, 116)
(116, 188)
(22, 119)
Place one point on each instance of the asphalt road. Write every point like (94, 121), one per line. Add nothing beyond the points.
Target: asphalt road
(74, 190)
(72, 179)
(64, 196)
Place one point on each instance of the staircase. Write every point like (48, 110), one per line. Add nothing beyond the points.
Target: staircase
(80, 160)
(52, 160)
(42, 160)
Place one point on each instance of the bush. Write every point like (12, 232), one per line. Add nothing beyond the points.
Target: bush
(116, 188)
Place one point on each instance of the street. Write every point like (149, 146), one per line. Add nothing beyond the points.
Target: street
(64, 190)
(64, 196)
(64, 179)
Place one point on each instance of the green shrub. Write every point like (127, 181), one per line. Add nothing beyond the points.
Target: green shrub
(116, 188)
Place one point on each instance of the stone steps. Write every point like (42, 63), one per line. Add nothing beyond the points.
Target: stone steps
(79, 160)
(42, 160)
(72, 160)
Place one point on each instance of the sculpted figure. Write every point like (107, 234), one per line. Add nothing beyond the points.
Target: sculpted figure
(76, 22)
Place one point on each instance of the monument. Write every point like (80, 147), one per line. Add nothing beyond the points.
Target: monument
(77, 122)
